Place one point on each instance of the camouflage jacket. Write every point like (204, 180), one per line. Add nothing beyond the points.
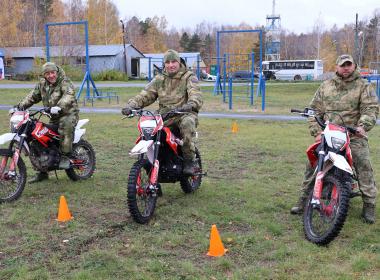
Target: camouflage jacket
(351, 102)
(171, 92)
(60, 94)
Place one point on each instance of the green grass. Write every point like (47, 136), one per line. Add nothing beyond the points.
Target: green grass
(280, 97)
(253, 180)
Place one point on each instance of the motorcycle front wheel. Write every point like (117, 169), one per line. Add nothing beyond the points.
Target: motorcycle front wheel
(141, 199)
(83, 163)
(12, 184)
(322, 223)
(192, 183)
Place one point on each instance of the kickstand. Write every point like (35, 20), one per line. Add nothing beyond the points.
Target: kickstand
(56, 176)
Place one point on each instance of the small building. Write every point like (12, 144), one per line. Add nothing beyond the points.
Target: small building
(21, 60)
(193, 61)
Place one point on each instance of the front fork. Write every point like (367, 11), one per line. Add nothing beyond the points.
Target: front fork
(317, 192)
(12, 167)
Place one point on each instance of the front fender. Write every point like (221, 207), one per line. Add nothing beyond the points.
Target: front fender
(340, 162)
(141, 147)
(7, 137)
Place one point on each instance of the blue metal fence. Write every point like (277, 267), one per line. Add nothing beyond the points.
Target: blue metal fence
(376, 80)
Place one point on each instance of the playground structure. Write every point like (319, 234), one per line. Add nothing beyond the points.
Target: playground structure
(74, 51)
(236, 73)
(154, 65)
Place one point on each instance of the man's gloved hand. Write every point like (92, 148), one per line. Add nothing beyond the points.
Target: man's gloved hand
(186, 108)
(55, 110)
(127, 110)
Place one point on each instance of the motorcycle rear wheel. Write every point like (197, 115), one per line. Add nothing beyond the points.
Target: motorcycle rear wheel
(141, 200)
(82, 151)
(322, 224)
(192, 183)
(11, 187)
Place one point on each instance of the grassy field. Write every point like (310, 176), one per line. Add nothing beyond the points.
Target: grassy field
(253, 180)
(279, 98)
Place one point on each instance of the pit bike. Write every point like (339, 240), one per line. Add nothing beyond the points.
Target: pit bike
(326, 207)
(159, 160)
(39, 141)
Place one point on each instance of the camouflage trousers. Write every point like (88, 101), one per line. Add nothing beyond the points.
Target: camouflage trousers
(186, 124)
(364, 172)
(66, 126)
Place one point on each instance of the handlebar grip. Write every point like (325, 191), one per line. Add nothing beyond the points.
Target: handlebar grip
(295, 111)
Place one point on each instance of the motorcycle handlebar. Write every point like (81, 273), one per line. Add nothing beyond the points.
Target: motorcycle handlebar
(310, 113)
(295, 111)
(140, 112)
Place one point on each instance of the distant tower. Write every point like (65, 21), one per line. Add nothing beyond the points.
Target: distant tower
(272, 38)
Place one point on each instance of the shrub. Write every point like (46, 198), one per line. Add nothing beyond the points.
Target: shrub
(110, 75)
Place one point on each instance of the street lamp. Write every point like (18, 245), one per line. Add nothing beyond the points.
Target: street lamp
(125, 53)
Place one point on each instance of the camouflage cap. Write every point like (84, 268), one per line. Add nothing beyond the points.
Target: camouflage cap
(344, 58)
(49, 66)
(172, 55)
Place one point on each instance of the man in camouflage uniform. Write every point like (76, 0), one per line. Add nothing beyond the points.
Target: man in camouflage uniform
(347, 99)
(176, 88)
(56, 91)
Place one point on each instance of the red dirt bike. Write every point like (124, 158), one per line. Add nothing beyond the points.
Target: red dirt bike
(326, 207)
(159, 161)
(40, 142)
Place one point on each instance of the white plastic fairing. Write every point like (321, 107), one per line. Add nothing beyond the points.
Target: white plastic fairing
(141, 147)
(148, 123)
(334, 134)
(6, 137)
(340, 162)
(78, 134)
(81, 123)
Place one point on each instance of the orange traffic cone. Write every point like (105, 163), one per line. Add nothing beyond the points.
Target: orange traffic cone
(64, 214)
(234, 128)
(216, 246)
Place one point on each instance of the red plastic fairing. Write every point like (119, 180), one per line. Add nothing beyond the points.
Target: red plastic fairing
(170, 139)
(349, 156)
(42, 133)
(336, 127)
(311, 154)
(154, 174)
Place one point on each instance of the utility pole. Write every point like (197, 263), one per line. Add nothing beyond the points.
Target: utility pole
(125, 53)
(356, 54)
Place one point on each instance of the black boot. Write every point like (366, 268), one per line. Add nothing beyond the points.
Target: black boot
(64, 162)
(189, 167)
(368, 213)
(40, 176)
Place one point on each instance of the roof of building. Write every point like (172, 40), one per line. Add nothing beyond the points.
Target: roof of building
(94, 50)
(189, 57)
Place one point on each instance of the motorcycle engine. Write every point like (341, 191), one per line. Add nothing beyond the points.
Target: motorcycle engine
(170, 170)
(43, 159)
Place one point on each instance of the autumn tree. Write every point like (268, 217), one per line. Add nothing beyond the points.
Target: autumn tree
(194, 43)
(103, 22)
(184, 41)
(328, 52)
(370, 40)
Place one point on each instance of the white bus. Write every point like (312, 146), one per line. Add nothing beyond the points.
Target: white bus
(293, 69)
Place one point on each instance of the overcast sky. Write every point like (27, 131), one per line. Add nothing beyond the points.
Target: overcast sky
(296, 15)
